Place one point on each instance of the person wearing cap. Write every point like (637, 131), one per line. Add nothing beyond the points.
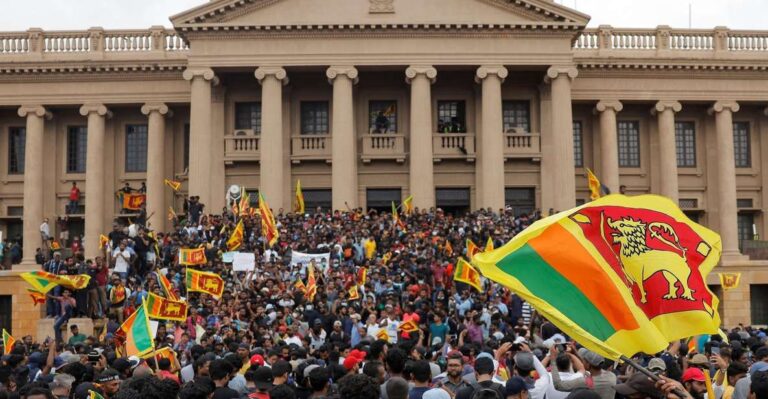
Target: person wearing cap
(695, 382)
(261, 380)
(595, 378)
(639, 386)
(109, 382)
(484, 371)
(317, 334)
(525, 364)
(353, 360)
(516, 388)
(657, 366)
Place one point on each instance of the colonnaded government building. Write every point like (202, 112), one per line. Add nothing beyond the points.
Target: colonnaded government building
(461, 103)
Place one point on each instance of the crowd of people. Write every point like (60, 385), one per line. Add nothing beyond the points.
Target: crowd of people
(265, 338)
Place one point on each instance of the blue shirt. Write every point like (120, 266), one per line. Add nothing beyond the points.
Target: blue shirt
(417, 392)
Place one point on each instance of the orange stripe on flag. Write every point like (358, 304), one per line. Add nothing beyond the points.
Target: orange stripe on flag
(571, 259)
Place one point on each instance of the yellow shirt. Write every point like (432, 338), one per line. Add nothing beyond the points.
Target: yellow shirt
(370, 248)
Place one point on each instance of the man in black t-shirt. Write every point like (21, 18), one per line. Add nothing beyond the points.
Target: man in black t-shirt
(484, 373)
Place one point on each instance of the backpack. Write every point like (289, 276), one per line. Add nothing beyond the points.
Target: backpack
(480, 392)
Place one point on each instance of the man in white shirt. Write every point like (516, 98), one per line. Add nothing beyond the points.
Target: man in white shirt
(122, 259)
(563, 364)
(525, 363)
(45, 233)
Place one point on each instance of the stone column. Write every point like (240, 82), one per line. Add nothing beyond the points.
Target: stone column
(421, 172)
(200, 132)
(665, 112)
(609, 144)
(33, 180)
(273, 174)
(343, 138)
(726, 175)
(156, 113)
(492, 141)
(94, 176)
(561, 158)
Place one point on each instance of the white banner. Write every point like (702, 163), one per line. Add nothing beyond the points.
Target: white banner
(244, 261)
(321, 260)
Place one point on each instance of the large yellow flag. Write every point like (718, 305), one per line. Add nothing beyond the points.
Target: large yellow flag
(621, 275)
(299, 208)
(236, 239)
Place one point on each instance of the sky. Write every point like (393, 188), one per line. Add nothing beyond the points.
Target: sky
(136, 14)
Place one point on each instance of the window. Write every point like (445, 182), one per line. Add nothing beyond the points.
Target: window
(688, 203)
(136, 148)
(17, 138)
(758, 298)
(317, 198)
(453, 201)
(521, 200)
(516, 115)
(741, 145)
(186, 145)
(685, 144)
(314, 117)
(253, 198)
(15, 211)
(382, 116)
(629, 144)
(248, 116)
(744, 203)
(745, 221)
(77, 142)
(578, 148)
(451, 117)
(381, 198)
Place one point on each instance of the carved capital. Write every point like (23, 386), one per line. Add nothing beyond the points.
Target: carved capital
(415, 70)
(604, 105)
(160, 108)
(204, 73)
(721, 106)
(555, 72)
(662, 106)
(278, 72)
(488, 70)
(344, 70)
(37, 110)
(97, 108)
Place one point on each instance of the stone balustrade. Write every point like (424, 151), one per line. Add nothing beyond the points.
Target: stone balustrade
(156, 39)
(453, 146)
(522, 145)
(383, 146)
(664, 38)
(310, 147)
(241, 148)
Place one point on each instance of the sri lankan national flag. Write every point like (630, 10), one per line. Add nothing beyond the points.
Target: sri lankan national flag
(396, 221)
(311, 283)
(166, 353)
(621, 275)
(37, 296)
(268, 225)
(236, 239)
(382, 334)
(192, 256)
(133, 201)
(467, 274)
(209, 283)
(136, 333)
(489, 245)
(472, 249)
(166, 286)
(596, 189)
(173, 184)
(408, 205)
(448, 248)
(353, 294)
(43, 281)
(103, 241)
(8, 342)
(299, 206)
(362, 275)
(729, 281)
(300, 286)
(171, 213)
(245, 203)
(165, 309)
(409, 326)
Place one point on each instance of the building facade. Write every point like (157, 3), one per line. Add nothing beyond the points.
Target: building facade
(463, 104)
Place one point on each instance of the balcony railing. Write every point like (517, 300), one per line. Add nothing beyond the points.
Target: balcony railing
(310, 147)
(453, 146)
(94, 41)
(522, 145)
(241, 148)
(383, 146)
(665, 39)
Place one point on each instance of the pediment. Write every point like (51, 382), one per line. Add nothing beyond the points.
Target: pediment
(243, 13)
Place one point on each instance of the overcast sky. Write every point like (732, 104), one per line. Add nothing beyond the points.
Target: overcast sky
(113, 14)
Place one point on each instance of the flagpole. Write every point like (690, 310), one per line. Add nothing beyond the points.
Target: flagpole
(648, 373)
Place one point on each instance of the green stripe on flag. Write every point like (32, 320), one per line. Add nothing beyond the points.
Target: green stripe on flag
(546, 283)
(140, 331)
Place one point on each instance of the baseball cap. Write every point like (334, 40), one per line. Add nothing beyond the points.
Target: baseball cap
(758, 367)
(639, 383)
(263, 378)
(351, 361)
(514, 386)
(591, 357)
(257, 360)
(693, 374)
(523, 361)
(699, 360)
(657, 364)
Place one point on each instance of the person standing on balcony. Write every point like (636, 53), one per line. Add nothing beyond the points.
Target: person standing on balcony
(45, 235)
(74, 199)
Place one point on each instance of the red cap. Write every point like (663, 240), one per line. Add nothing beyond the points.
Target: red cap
(257, 360)
(694, 374)
(350, 362)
